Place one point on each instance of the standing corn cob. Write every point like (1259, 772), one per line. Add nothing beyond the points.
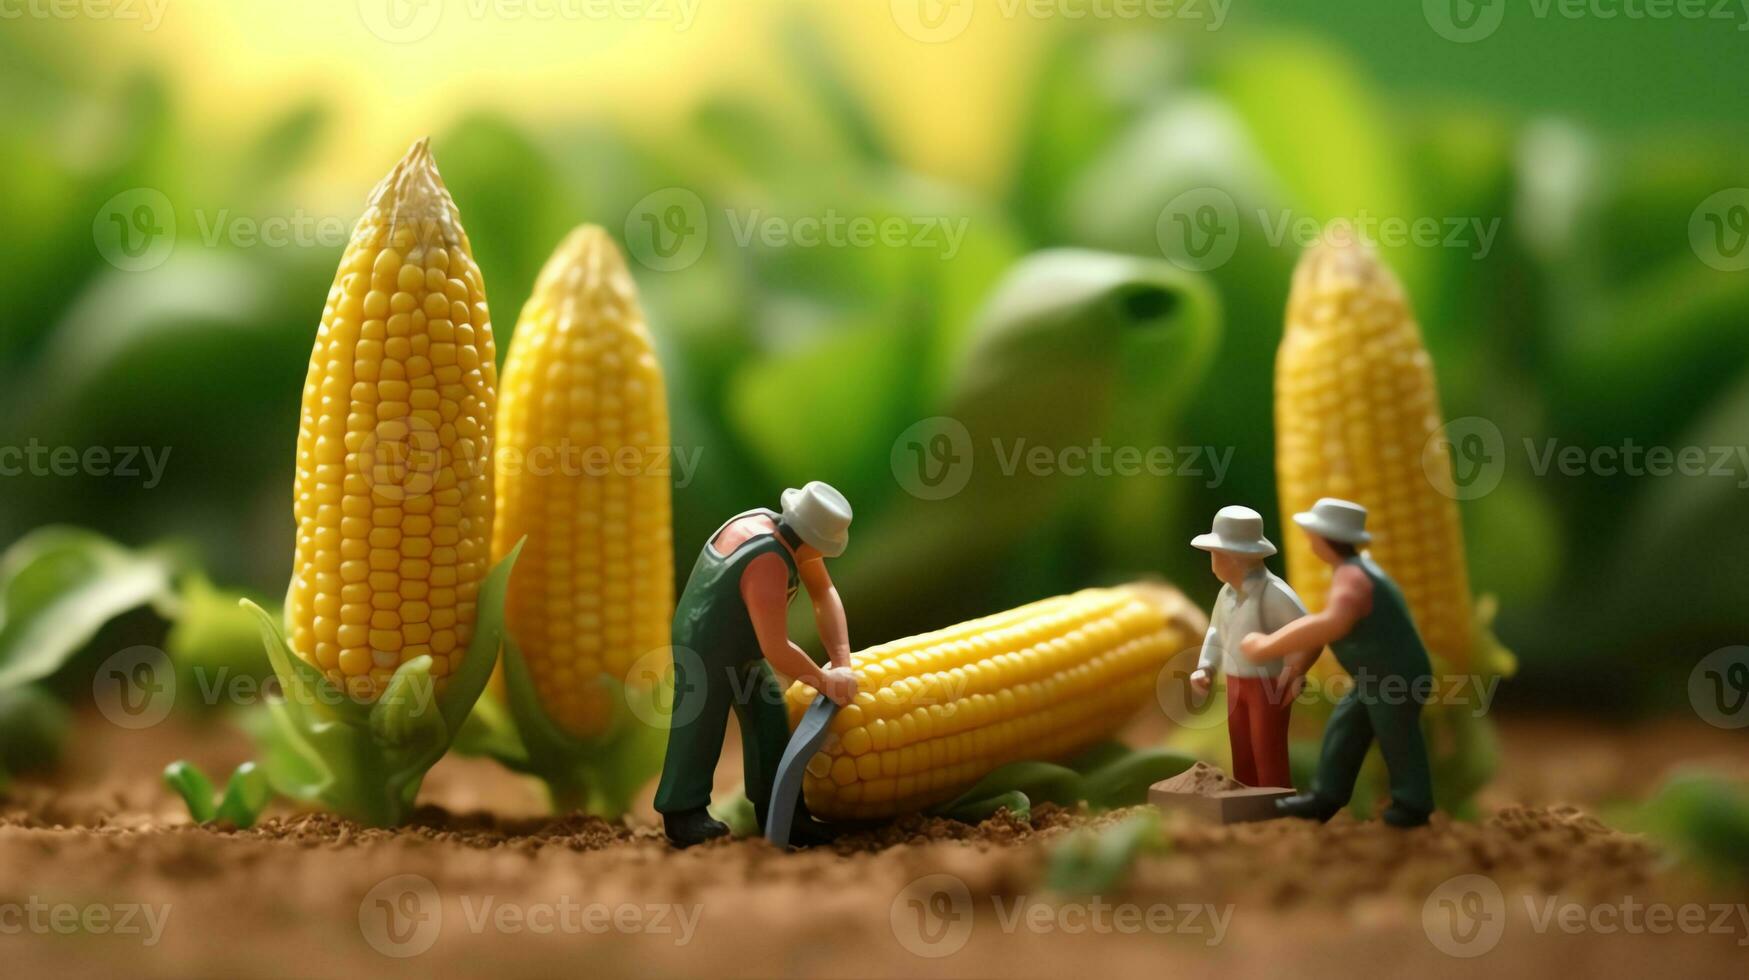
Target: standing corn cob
(583, 472)
(393, 491)
(1355, 408)
(937, 712)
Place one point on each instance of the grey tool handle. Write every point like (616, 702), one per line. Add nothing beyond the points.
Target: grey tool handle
(786, 789)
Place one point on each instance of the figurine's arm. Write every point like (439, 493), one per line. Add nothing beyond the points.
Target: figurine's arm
(1350, 599)
(828, 611)
(1209, 662)
(1282, 606)
(765, 590)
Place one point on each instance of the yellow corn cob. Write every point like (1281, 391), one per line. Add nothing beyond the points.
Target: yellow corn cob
(1355, 407)
(583, 472)
(937, 712)
(393, 491)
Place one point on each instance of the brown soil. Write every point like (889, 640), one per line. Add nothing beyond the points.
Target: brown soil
(486, 886)
(1201, 779)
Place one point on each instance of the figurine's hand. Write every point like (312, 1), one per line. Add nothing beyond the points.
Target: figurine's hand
(1200, 681)
(1252, 644)
(837, 683)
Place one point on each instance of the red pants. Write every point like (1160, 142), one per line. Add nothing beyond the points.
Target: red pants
(1257, 714)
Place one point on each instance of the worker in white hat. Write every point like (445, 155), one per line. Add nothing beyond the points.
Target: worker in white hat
(1366, 623)
(731, 628)
(1253, 599)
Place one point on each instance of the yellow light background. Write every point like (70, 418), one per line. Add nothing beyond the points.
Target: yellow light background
(947, 106)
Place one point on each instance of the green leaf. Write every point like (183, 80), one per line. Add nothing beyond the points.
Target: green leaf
(1055, 361)
(823, 78)
(1097, 863)
(861, 369)
(213, 639)
(1090, 84)
(737, 811)
(1703, 817)
(187, 781)
(1124, 781)
(1323, 132)
(1098, 756)
(246, 794)
(34, 725)
(467, 683)
(286, 144)
(1015, 786)
(58, 586)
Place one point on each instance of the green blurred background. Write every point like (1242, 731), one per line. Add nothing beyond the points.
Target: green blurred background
(177, 180)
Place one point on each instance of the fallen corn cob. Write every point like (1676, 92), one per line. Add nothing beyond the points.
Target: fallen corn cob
(393, 488)
(582, 471)
(938, 711)
(1355, 408)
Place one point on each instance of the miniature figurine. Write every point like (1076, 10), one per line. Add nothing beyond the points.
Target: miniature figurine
(730, 630)
(1368, 626)
(1253, 599)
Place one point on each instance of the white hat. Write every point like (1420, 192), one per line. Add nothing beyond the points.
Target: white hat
(1336, 520)
(1237, 530)
(820, 516)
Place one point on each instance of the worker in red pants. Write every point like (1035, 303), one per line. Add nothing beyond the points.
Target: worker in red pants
(1260, 695)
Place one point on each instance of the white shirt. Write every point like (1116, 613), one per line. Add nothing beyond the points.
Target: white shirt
(1264, 604)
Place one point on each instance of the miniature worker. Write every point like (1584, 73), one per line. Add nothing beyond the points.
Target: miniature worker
(1367, 624)
(1260, 695)
(730, 629)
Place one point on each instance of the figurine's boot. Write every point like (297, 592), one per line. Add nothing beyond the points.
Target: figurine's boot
(1307, 806)
(690, 827)
(1398, 815)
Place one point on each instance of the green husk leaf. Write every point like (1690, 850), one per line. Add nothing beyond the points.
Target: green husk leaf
(1096, 863)
(599, 775)
(58, 586)
(366, 761)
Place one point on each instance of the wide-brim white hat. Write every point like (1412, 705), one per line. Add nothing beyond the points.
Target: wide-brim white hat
(820, 516)
(1238, 531)
(1336, 520)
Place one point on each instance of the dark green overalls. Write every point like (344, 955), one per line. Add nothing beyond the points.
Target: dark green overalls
(1383, 648)
(718, 666)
